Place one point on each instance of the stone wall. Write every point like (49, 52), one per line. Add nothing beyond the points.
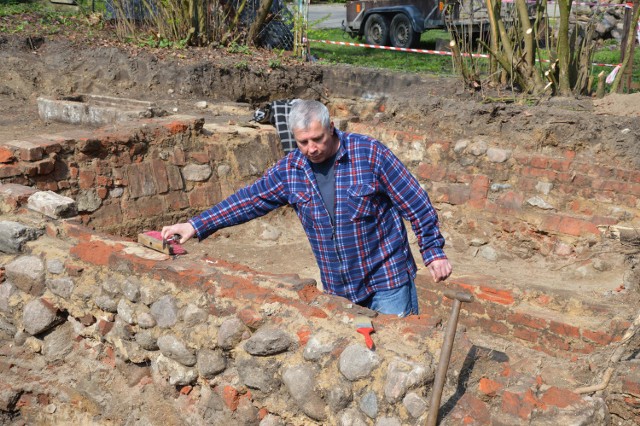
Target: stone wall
(164, 168)
(248, 347)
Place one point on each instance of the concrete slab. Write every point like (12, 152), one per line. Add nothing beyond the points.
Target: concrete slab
(95, 110)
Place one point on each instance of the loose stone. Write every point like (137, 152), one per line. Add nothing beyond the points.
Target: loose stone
(357, 362)
(172, 347)
(268, 341)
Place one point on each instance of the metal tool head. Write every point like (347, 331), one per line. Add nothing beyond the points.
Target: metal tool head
(460, 295)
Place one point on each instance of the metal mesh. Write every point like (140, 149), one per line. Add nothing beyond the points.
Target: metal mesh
(277, 33)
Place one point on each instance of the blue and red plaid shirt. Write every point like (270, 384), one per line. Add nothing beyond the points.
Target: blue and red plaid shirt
(367, 249)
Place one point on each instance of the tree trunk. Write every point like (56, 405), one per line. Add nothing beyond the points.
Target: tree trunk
(261, 17)
(564, 52)
(630, 46)
(493, 9)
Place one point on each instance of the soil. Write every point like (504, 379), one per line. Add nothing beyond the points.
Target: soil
(35, 63)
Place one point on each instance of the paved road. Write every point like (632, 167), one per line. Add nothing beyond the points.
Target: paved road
(335, 13)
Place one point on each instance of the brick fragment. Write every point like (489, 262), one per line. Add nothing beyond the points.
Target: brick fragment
(6, 155)
(489, 387)
(559, 397)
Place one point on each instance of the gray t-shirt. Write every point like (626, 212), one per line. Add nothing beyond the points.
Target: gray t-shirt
(326, 178)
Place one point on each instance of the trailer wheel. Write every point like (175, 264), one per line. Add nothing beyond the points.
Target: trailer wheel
(402, 33)
(376, 30)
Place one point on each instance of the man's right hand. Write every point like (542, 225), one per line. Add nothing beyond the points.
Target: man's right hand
(185, 230)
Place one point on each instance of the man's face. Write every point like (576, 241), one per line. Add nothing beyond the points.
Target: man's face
(316, 143)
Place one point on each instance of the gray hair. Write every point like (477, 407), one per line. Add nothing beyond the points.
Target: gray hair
(304, 112)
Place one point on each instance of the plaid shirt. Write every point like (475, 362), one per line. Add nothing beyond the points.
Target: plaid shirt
(367, 250)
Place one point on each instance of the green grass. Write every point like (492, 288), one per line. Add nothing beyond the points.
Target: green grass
(377, 58)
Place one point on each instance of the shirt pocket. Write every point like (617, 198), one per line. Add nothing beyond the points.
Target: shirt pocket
(362, 201)
(301, 203)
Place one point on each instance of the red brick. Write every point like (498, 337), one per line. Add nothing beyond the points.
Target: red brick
(559, 397)
(494, 327)
(47, 185)
(46, 166)
(564, 329)
(110, 214)
(160, 176)
(176, 127)
(555, 342)
(27, 151)
(528, 321)
(631, 385)
(174, 177)
(86, 179)
(504, 297)
(599, 337)
(73, 269)
(479, 187)
(539, 162)
(199, 157)
(7, 170)
(304, 333)
(523, 160)
(178, 157)
(458, 193)
(145, 206)
(102, 193)
(569, 225)
(510, 200)
(6, 155)
(104, 327)
(489, 387)
(471, 411)
(206, 195)
(176, 200)
(582, 347)
(431, 172)
(251, 318)
(516, 405)
(230, 397)
(103, 180)
(526, 334)
(560, 165)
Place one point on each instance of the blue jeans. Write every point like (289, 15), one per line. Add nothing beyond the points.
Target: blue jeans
(400, 301)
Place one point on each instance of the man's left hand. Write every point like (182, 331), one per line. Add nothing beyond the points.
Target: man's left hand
(440, 269)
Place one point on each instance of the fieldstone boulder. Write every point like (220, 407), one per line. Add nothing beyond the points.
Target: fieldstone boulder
(39, 316)
(300, 382)
(172, 347)
(14, 235)
(268, 341)
(357, 362)
(28, 274)
(52, 205)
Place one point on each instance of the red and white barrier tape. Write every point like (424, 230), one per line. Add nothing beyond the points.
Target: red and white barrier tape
(627, 5)
(400, 49)
(431, 52)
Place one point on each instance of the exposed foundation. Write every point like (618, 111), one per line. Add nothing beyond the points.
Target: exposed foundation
(528, 224)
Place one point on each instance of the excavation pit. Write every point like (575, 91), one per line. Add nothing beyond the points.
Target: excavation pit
(528, 206)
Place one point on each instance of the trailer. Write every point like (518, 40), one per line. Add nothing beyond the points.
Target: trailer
(400, 23)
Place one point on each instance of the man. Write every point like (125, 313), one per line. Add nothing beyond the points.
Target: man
(350, 192)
